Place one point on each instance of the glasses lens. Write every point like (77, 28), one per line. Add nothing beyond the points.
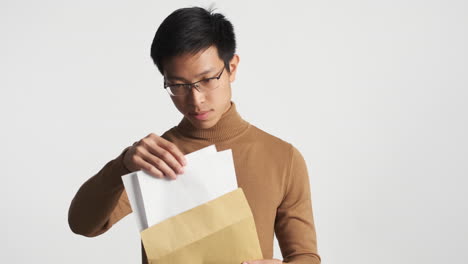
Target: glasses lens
(177, 90)
(209, 84)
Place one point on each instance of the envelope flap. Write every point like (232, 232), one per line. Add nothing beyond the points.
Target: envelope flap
(195, 224)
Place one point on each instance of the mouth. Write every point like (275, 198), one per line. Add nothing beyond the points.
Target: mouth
(202, 115)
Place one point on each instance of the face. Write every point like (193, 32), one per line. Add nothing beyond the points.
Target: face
(203, 110)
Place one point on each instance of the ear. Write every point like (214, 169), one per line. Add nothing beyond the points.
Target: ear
(233, 67)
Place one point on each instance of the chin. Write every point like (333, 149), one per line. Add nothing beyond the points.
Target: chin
(203, 124)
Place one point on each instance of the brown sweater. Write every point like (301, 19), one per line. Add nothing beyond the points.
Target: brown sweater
(271, 172)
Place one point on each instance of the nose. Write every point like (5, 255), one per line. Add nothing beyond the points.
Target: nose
(195, 95)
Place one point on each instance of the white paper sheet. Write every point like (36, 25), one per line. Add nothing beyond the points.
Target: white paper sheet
(132, 187)
(208, 175)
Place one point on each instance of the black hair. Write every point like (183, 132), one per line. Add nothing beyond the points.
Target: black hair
(191, 30)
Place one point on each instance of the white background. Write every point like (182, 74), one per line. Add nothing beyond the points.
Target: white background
(373, 94)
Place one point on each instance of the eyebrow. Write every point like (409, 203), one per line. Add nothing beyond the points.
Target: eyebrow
(183, 79)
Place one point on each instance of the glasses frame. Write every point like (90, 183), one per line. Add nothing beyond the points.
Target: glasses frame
(194, 84)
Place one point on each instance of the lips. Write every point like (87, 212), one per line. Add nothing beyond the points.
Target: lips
(198, 113)
(202, 115)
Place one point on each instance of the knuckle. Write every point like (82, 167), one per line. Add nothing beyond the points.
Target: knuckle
(144, 142)
(153, 136)
(151, 170)
(166, 155)
(173, 148)
(139, 150)
(159, 162)
(161, 152)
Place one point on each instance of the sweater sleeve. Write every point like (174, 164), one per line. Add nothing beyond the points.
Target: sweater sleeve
(101, 201)
(294, 223)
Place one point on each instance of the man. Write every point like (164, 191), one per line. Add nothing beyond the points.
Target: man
(195, 51)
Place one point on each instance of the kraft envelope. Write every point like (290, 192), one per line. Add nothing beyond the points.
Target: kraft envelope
(219, 231)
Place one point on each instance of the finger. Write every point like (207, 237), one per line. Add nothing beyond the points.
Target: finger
(167, 156)
(162, 166)
(146, 166)
(157, 162)
(172, 148)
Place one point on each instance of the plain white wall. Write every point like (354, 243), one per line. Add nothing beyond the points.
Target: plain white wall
(373, 94)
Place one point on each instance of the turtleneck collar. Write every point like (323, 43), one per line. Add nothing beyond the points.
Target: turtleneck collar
(229, 126)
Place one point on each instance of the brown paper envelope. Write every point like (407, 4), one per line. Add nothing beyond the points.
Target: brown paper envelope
(219, 231)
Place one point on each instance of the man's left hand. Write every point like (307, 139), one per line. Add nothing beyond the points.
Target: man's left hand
(263, 261)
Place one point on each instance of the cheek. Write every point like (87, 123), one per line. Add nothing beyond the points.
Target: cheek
(178, 102)
(225, 91)
(218, 97)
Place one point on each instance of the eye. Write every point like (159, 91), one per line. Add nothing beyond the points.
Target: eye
(175, 87)
(206, 81)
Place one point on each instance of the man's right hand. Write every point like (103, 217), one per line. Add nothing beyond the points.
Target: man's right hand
(157, 156)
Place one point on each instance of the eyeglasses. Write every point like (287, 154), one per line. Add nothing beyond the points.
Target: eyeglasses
(203, 86)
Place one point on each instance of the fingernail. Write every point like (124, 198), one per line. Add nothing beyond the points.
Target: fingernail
(181, 170)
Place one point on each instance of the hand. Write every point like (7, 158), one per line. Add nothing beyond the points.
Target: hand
(155, 155)
(263, 261)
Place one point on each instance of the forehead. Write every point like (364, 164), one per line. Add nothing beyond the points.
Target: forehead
(188, 66)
